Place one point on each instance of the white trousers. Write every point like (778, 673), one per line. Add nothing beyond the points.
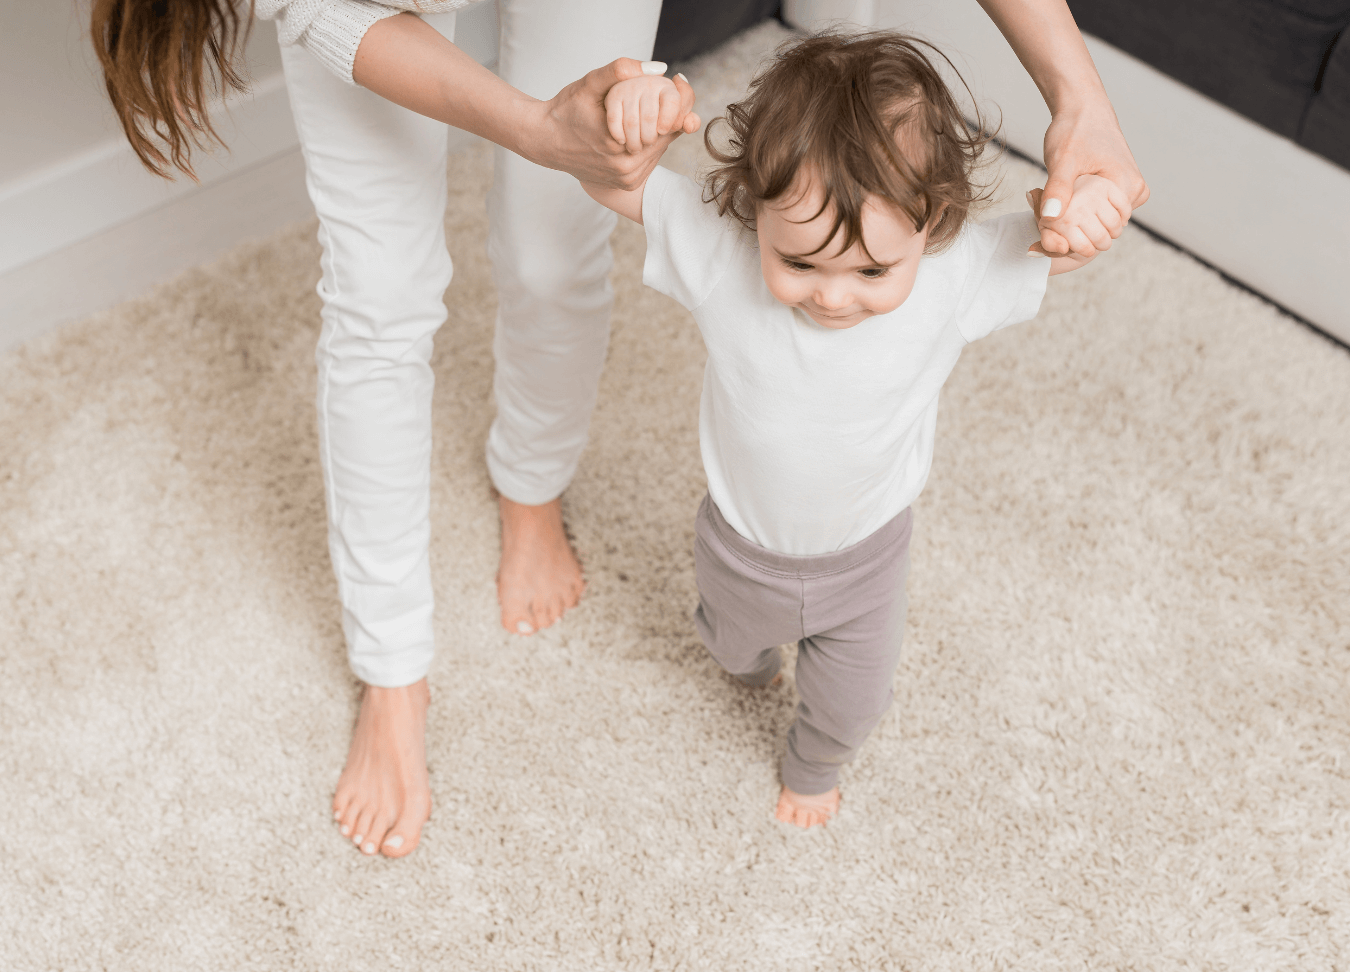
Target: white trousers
(377, 176)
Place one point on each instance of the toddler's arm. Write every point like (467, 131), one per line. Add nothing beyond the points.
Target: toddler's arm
(639, 111)
(1097, 214)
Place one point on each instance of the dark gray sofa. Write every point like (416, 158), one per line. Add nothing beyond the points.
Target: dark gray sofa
(1283, 63)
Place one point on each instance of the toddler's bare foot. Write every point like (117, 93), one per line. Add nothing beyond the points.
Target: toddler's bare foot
(383, 797)
(539, 577)
(806, 811)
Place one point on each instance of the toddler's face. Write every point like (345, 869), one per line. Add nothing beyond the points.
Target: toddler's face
(835, 289)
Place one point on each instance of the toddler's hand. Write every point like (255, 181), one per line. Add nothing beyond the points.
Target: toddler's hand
(641, 110)
(1097, 215)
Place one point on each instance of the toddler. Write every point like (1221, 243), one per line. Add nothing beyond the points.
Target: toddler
(835, 279)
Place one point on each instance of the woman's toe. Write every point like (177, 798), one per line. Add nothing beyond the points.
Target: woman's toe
(400, 841)
(376, 836)
(365, 822)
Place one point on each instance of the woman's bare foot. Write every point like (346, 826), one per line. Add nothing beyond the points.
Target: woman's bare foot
(383, 797)
(806, 811)
(539, 577)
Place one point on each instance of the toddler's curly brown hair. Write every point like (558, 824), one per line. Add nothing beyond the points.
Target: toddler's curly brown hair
(864, 114)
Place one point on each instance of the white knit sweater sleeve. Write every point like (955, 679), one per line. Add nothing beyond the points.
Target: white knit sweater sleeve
(331, 30)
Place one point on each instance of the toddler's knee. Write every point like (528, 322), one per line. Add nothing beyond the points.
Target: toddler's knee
(846, 720)
(764, 669)
(750, 666)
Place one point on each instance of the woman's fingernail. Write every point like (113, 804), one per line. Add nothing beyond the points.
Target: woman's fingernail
(1051, 208)
(682, 77)
(653, 67)
(524, 627)
(395, 842)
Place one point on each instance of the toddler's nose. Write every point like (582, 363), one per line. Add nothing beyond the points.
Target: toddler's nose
(833, 299)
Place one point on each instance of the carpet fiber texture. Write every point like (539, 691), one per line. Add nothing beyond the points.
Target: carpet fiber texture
(1122, 719)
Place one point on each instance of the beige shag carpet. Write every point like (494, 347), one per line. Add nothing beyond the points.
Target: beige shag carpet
(1122, 719)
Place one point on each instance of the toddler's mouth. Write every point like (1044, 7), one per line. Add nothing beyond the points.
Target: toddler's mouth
(822, 316)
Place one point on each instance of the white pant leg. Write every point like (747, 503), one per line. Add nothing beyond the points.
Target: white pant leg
(549, 244)
(376, 175)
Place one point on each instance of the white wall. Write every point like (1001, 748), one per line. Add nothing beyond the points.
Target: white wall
(50, 109)
(66, 172)
(82, 224)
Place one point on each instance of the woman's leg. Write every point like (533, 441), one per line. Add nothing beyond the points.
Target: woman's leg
(549, 244)
(376, 175)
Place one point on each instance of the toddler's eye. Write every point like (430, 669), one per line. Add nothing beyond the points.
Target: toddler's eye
(796, 265)
(872, 273)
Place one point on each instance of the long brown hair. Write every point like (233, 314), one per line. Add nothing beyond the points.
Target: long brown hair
(868, 115)
(164, 61)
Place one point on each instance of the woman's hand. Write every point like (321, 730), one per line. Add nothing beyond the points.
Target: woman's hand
(404, 59)
(573, 132)
(1084, 137)
(1079, 142)
(1096, 216)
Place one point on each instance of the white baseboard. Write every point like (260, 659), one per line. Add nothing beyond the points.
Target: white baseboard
(1263, 210)
(129, 258)
(815, 14)
(98, 228)
(82, 196)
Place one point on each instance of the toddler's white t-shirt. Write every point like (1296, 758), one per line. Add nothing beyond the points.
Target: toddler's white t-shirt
(814, 438)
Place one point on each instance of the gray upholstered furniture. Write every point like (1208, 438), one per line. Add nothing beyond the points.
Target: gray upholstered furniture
(1284, 64)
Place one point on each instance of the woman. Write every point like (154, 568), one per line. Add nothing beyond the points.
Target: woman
(372, 87)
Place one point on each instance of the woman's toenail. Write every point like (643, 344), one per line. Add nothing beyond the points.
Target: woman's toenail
(357, 839)
(524, 627)
(395, 842)
(337, 814)
(346, 831)
(369, 848)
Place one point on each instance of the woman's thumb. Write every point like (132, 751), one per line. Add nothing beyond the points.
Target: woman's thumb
(620, 69)
(1055, 198)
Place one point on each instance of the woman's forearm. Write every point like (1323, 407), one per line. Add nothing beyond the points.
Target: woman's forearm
(1050, 47)
(1084, 137)
(409, 62)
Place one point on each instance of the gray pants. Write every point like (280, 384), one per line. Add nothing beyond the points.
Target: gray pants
(845, 610)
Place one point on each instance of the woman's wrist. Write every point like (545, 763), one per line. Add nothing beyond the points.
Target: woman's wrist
(1050, 47)
(534, 133)
(1081, 93)
(498, 112)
